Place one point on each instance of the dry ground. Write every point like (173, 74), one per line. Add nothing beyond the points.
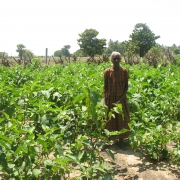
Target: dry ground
(130, 165)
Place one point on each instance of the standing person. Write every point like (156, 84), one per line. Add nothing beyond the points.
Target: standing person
(115, 89)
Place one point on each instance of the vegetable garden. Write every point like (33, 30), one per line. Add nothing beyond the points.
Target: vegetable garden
(52, 118)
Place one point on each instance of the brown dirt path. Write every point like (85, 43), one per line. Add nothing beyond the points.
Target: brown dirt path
(130, 165)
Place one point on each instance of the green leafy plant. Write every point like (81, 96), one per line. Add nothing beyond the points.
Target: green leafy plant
(52, 118)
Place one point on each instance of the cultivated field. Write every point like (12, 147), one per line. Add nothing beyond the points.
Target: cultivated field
(52, 120)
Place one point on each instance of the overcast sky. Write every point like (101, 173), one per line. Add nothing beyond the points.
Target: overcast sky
(40, 24)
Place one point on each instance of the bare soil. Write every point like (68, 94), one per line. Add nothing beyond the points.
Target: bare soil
(130, 165)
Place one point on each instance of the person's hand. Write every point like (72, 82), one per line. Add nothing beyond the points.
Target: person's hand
(104, 103)
(118, 102)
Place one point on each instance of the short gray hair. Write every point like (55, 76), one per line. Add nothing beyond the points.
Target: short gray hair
(115, 53)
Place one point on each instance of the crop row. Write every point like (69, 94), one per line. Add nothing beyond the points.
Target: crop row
(52, 118)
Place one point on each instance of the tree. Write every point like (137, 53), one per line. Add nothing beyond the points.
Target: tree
(20, 49)
(90, 44)
(78, 53)
(174, 48)
(27, 53)
(1, 54)
(115, 46)
(177, 51)
(143, 39)
(63, 52)
(58, 53)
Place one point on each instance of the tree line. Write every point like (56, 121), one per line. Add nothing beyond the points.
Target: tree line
(141, 40)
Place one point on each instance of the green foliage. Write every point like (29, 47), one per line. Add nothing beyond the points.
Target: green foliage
(52, 118)
(50, 121)
(78, 53)
(63, 52)
(177, 51)
(28, 54)
(3, 55)
(143, 39)
(90, 44)
(20, 49)
(115, 46)
(58, 53)
(154, 105)
(24, 53)
(154, 56)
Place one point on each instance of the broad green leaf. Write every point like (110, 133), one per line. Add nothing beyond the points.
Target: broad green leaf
(110, 153)
(56, 177)
(48, 162)
(87, 143)
(5, 138)
(19, 148)
(115, 133)
(155, 155)
(36, 148)
(106, 132)
(11, 165)
(22, 166)
(80, 155)
(36, 172)
(43, 143)
(101, 169)
(56, 94)
(78, 98)
(84, 108)
(71, 157)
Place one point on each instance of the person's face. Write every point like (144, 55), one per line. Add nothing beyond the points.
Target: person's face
(116, 59)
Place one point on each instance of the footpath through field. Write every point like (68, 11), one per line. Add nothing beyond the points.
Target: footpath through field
(130, 165)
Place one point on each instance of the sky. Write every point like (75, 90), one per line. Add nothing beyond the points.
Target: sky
(52, 24)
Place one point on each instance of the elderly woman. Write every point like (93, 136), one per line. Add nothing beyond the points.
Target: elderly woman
(115, 89)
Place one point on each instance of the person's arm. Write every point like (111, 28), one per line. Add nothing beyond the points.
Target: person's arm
(125, 88)
(105, 87)
(124, 94)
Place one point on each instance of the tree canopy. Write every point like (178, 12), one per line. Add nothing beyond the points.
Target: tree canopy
(23, 52)
(115, 46)
(90, 44)
(3, 54)
(58, 53)
(63, 52)
(28, 53)
(20, 49)
(143, 39)
(78, 53)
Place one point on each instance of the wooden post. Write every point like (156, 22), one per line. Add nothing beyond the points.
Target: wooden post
(46, 54)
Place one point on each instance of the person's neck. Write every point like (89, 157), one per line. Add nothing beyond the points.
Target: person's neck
(116, 67)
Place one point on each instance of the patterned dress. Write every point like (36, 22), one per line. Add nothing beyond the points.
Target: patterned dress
(115, 82)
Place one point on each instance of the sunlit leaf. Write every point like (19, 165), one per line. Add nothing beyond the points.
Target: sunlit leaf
(110, 153)
(36, 172)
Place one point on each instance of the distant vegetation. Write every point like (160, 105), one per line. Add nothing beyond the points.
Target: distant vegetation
(142, 46)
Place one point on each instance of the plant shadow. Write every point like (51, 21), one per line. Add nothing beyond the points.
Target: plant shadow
(125, 158)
